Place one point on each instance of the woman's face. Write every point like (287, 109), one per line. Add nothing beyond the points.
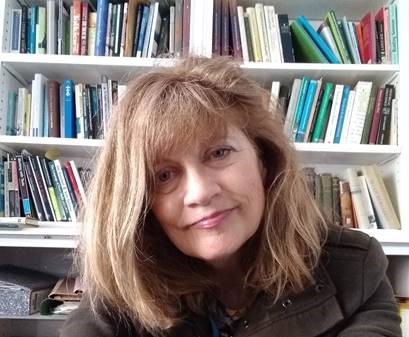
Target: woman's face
(210, 200)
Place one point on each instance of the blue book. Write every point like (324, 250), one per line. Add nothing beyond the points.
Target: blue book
(305, 115)
(299, 107)
(341, 115)
(318, 40)
(148, 31)
(32, 29)
(101, 29)
(142, 33)
(70, 130)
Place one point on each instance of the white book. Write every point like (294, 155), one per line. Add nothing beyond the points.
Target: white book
(21, 105)
(41, 41)
(118, 26)
(92, 30)
(15, 30)
(172, 30)
(367, 202)
(325, 33)
(208, 33)
(64, 187)
(262, 32)
(273, 34)
(358, 114)
(291, 107)
(79, 182)
(357, 199)
(37, 105)
(334, 113)
(243, 39)
(380, 198)
(347, 119)
(123, 31)
(351, 27)
(79, 111)
(313, 107)
(275, 89)
(393, 134)
(51, 27)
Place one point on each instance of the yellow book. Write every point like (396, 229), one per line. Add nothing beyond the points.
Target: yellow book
(255, 39)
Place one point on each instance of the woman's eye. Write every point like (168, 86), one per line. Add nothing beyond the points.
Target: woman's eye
(220, 153)
(164, 176)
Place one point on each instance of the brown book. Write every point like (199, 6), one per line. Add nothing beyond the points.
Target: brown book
(84, 28)
(130, 27)
(66, 289)
(235, 30)
(186, 28)
(326, 179)
(373, 134)
(336, 211)
(53, 88)
(76, 29)
(369, 117)
(347, 214)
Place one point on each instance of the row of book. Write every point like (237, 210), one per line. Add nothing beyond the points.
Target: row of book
(39, 188)
(359, 200)
(26, 291)
(161, 28)
(325, 112)
(67, 110)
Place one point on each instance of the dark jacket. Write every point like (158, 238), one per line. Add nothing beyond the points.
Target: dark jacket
(352, 297)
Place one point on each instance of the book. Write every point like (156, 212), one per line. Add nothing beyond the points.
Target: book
(305, 49)
(35, 196)
(235, 30)
(299, 107)
(336, 204)
(92, 30)
(342, 113)
(262, 32)
(368, 34)
(323, 113)
(101, 29)
(385, 117)
(243, 38)
(325, 33)
(286, 39)
(37, 105)
(143, 29)
(69, 200)
(273, 34)
(347, 118)
(70, 130)
(62, 205)
(40, 28)
(51, 27)
(25, 198)
(84, 28)
(292, 106)
(52, 197)
(347, 219)
(186, 28)
(380, 197)
(369, 117)
(53, 102)
(334, 113)
(344, 27)
(306, 111)
(179, 25)
(321, 44)
(137, 29)
(130, 26)
(314, 111)
(24, 29)
(254, 33)
(327, 197)
(15, 30)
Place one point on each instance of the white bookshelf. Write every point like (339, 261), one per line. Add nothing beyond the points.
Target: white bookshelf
(39, 245)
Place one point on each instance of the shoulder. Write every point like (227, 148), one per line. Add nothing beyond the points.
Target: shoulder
(84, 322)
(355, 263)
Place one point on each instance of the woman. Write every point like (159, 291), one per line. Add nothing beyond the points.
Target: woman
(199, 223)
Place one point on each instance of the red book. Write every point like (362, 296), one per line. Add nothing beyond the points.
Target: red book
(376, 116)
(76, 28)
(84, 28)
(186, 28)
(360, 41)
(369, 39)
(382, 18)
(73, 182)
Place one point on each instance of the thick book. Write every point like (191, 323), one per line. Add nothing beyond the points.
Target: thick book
(306, 110)
(37, 105)
(235, 30)
(305, 48)
(380, 198)
(25, 197)
(143, 30)
(300, 106)
(262, 32)
(51, 27)
(15, 31)
(368, 34)
(254, 33)
(273, 34)
(84, 28)
(70, 130)
(130, 26)
(286, 39)
(53, 102)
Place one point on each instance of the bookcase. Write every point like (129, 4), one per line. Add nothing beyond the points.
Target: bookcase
(51, 250)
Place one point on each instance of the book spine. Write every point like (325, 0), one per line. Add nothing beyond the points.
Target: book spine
(314, 111)
(368, 118)
(299, 107)
(51, 27)
(363, 221)
(347, 119)
(109, 30)
(24, 29)
(144, 26)
(84, 29)
(50, 188)
(385, 119)
(73, 183)
(148, 31)
(33, 12)
(235, 30)
(186, 27)
(334, 113)
(322, 112)
(35, 165)
(137, 29)
(291, 107)
(367, 202)
(286, 40)
(332, 22)
(78, 181)
(243, 38)
(65, 215)
(15, 41)
(248, 36)
(41, 42)
(69, 110)
(34, 191)
(262, 32)
(53, 108)
(347, 218)
(68, 201)
(342, 113)
(101, 30)
(217, 25)
(255, 40)
(312, 87)
(273, 34)
(130, 27)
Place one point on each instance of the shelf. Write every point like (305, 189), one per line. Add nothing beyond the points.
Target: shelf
(40, 237)
(37, 317)
(345, 154)
(66, 147)
(394, 242)
(91, 68)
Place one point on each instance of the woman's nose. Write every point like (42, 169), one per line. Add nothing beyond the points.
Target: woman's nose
(201, 186)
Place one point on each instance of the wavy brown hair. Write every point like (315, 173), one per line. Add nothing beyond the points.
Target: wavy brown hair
(128, 262)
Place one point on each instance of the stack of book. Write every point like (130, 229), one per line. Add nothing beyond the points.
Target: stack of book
(139, 28)
(47, 190)
(326, 112)
(361, 200)
(65, 110)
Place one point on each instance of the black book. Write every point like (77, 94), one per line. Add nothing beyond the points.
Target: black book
(35, 196)
(137, 29)
(385, 120)
(24, 27)
(286, 40)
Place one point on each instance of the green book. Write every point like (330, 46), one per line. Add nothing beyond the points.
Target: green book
(305, 48)
(323, 113)
(248, 37)
(299, 107)
(332, 22)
